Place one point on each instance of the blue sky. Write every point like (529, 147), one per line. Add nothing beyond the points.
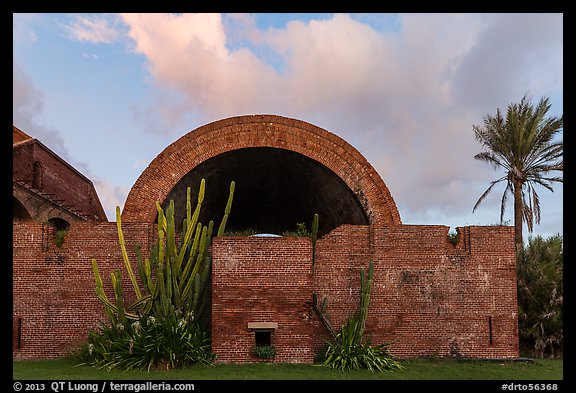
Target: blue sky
(108, 92)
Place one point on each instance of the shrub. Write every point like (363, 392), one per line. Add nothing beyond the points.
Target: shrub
(59, 236)
(347, 353)
(265, 351)
(541, 297)
(148, 343)
(301, 231)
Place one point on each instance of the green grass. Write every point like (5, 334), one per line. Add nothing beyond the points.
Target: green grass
(415, 369)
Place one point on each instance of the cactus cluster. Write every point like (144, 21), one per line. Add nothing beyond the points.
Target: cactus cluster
(174, 278)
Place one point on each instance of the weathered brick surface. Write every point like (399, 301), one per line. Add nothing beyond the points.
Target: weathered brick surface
(262, 280)
(53, 287)
(71, 191)
(428, 297)
(432, 298)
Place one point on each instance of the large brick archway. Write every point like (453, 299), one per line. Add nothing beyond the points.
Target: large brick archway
(264, 136)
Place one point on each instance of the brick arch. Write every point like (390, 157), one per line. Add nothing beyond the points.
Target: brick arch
(251, 131)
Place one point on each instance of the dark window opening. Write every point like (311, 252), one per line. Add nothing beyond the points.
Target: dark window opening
(59, 224)
(17, 333)
(37, 175)
(263, 338)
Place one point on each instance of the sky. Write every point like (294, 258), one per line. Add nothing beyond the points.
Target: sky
(108, 92)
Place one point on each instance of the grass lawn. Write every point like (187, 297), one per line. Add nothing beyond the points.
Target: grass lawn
(415, 369)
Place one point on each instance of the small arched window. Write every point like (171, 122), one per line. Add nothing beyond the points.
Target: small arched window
(37, 175)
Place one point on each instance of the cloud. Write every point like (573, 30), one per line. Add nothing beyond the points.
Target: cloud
(21, 30)
(110, 195)
(405, 97)
(28, 111)
(93, 29)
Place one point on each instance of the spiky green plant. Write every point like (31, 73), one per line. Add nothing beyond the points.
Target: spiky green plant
(174, 278)
(348, 351)
(314, 237)
(176, 274)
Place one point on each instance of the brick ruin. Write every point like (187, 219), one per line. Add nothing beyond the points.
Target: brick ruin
(429, 297)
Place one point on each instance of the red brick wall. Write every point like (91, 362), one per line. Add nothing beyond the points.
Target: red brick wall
(429, 297)
(53, 287)
(58, 179)
(262, 280)
(210, 140)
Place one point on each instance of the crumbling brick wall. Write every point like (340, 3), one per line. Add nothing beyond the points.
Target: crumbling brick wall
(54, 298)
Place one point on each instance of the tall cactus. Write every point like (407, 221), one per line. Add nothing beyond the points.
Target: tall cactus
(365, 290)
(176, 275)
(314, 237)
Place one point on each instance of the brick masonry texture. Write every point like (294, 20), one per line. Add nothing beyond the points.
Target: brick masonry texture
(54, 295)
(75, 194)
(429, 297)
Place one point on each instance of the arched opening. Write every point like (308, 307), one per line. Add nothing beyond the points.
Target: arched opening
(61, 227)
(275, 190)
(19, 211)
(58, 223)
(37, 175)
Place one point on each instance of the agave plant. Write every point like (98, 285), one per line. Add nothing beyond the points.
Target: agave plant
(348, 351)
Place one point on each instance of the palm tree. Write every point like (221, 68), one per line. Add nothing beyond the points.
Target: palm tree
(522, 144)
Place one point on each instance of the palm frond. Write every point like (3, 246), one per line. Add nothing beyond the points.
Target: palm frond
(487, 192)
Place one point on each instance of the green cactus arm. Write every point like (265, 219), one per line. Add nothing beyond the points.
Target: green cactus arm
(191, 258)
(161, 231)
(191, 221)
(196, 296)
(148, 274)
(187, 289)
(196, 215)
(170, 231)
(109, 307)
(227, 210)
(117, 285)
(188, 208)
(144, 277)
(315, 226)
(141, 303)
(314, 237)
(209, 233)
(168, 276)
(125, 254)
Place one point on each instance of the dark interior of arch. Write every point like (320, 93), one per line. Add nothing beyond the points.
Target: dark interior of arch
(275, 190)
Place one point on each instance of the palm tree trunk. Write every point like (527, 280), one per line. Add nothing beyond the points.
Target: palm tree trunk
(518, 216)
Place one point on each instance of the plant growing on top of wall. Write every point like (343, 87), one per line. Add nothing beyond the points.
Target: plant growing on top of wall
(174, 285)
(348, 351)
